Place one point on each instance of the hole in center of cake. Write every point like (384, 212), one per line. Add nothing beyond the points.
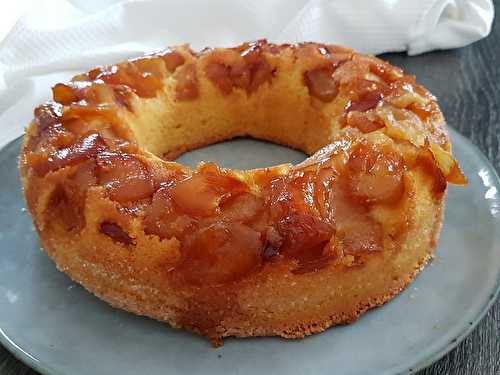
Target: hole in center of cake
(243, 153)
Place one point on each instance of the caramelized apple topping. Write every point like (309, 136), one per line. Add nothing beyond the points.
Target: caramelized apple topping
(374, 176)
(274, 49)
(220, 253)
(81, 120)
(226, 231)
(164, 219)
(126, 177)
(405, 125)
(123, 96)
(423, 111)
(152, 65)
(425, 159)
(364, 121)
(259, 69)
(68, 93)
(245, 68)
(322, 61)
(49, 132)
(187, 83)
(384, 70)
(370, 94)
(337, 55)
(143, 83)
(82, 150)
(448, 166)
(89, 113)
(356, 231)
(85, 176)
(319, 55)
(321, 84)
(222, 76)
(285, 198)
(159, 214)
(242, 207)
(361, 236)
(48, 115)
(90, 93)
(200, 194)
(304, 236)
(403, 95)
(172, 59)
(350, 72)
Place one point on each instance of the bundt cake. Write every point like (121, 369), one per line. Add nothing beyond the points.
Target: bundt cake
(287, 250)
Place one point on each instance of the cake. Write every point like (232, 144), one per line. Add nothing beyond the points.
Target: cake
(287, 250)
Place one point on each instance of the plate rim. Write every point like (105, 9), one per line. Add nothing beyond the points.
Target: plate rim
(46, 369)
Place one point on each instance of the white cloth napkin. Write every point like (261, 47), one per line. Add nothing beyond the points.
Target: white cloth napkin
(58, 38)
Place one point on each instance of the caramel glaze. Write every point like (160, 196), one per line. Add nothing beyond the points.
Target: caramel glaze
(313, 214)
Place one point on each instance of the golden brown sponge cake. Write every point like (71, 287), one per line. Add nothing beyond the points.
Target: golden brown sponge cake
(287, 250)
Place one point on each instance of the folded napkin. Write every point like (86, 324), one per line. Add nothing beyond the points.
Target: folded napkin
(60, 37)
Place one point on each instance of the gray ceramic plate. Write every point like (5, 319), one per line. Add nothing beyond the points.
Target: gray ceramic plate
(58, 328)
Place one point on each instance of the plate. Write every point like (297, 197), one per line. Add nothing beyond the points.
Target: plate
(56, 327)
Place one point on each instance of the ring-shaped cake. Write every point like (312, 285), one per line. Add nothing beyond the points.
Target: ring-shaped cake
(287, 250)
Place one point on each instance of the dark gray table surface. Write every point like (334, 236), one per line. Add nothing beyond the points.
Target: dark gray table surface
(467, 84)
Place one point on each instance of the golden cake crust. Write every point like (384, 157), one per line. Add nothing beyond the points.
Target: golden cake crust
(285, 250)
